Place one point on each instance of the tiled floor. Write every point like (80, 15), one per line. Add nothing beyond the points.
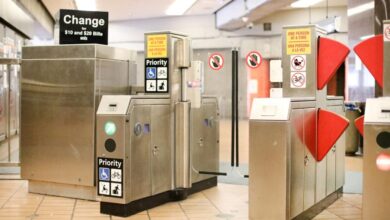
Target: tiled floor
(225, 202)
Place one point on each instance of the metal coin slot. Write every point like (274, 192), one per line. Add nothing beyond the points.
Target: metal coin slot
(138, 129)
(110, 145)
(383, 139)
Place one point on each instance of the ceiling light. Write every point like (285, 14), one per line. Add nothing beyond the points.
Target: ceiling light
(86, 5)
(179, 7)
(361, 8)
(245, 19)
(305, 3)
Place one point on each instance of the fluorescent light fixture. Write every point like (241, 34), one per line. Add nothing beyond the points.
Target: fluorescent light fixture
(179, 7)
(361, 8)
(86, 5)
(366, 37)
(330, 25)
(245, 19)
(305, 3)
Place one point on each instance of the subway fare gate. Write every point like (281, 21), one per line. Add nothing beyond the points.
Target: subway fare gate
(296, 147)
(375, 54)
(161, 145)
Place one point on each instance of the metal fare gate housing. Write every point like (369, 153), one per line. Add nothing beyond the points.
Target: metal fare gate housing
(296, 155)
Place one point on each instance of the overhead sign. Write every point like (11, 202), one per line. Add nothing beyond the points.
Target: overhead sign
(386, 32)
(110, 177)
(156, 75)
(298, 80)
(298, 41)
(298, 63)
(157, 45)
(216, 61)
(83, 27)
(253, 59)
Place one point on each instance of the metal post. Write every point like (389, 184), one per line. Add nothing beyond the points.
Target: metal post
(233, 108)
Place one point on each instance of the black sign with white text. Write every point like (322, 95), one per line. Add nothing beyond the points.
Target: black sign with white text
(83, 27)
(110, 177)
(157, 75)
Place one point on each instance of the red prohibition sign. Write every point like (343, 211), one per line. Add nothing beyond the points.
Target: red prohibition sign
(298, 79)
(387, 33)
(298, 63)
(253, 59)
(216, 61)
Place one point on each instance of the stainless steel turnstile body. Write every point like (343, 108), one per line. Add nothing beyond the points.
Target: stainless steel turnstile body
(376, 159)
(144, 145)
(61, 90)
(165, 137)
(285, 179)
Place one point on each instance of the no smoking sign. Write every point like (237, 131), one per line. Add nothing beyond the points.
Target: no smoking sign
(216, 61)
(253, 59)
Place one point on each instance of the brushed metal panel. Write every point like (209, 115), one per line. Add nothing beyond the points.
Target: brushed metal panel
(310, 167)
(182, 145)
(196, 143)
(57, 121)
(209, 154)
(161, 149)
(376, 183)
(269, 157)
(331, 171)
(77, 51)
(386, 62)
(297, 163)
(141, 154)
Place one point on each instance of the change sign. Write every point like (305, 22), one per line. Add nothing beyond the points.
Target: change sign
(83, 27)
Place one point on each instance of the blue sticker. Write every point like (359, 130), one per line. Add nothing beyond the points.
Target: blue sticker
(151, 73)
(104, 174)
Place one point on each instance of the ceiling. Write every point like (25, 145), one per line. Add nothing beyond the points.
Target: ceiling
(331, 3)
(137, 9)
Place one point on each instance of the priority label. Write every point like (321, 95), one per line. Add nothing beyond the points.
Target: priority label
(156, 75)
(110, 178)
(386, 32)
(298, 62)
(298, 80)
(253, 59)
(216, 61)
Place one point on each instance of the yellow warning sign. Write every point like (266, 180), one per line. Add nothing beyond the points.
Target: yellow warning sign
(157, 46)
(298, 41)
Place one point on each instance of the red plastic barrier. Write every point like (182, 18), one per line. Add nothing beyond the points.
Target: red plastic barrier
(331, 54)
(370, 52)
(359, 123)
(330, 127)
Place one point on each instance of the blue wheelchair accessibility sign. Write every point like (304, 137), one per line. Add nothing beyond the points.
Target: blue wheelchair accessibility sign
(104, 173)
(151, 72)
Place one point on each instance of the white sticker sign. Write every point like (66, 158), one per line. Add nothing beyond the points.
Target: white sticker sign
(298, 63)
(386, 32)
(298, 80)
(110, 177)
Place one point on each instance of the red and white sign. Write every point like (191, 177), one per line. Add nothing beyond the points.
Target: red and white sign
(253, 59)
(298, 80)
(298, 62)
(386, 32)
(216, 61)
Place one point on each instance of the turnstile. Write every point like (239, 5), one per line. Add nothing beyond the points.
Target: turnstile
(162, 145)
(61, 90)
(296, 147)
(376, 157)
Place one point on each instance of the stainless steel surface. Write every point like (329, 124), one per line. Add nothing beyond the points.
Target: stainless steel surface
(63, 190)
(182, 145)
(9, 61)
(161, 149)
(386, 62)
(376, 189)
(62, 87)
(265, 152)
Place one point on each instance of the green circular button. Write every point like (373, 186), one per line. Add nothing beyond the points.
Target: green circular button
(110, 128)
